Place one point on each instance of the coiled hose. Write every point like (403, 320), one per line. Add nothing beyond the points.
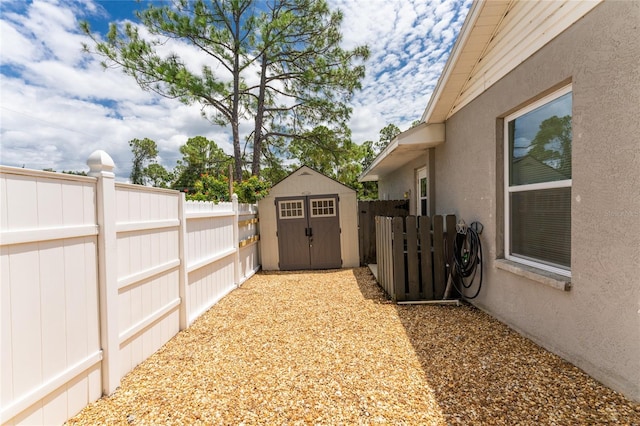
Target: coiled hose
(467, 259)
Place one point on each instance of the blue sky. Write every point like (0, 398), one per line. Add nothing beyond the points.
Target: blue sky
(57, 104)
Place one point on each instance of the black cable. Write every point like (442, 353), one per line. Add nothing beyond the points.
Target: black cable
(467, 259)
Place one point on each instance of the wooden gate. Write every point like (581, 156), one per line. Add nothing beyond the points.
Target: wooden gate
(367, 212)
(412, 254)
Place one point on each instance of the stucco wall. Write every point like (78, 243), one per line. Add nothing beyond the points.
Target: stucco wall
(595, 325)
(394, 185)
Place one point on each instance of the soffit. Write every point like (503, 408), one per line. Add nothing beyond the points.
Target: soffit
(482, 21)
(498, 36)
(405, 147)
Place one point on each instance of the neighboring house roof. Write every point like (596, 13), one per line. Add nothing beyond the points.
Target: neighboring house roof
(496, 37)
(532, 170)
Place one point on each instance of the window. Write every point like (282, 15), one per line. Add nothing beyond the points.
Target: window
(421, 191)
(323, 207)
(538, 184)
(291, 209)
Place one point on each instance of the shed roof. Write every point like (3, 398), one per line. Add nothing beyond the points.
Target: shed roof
(307, 181)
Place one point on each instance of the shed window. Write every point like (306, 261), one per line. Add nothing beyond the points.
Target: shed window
(323, 207)
(291, 209)
(538, 183)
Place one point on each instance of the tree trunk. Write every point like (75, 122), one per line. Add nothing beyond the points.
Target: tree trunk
(257, 134)
(237, 154)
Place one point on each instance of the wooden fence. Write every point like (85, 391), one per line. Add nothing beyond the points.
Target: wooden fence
(97, 275)
(412, 255)
(367, 212)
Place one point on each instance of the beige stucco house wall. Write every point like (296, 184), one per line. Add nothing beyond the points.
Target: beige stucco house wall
(306, 181)
(592, 318)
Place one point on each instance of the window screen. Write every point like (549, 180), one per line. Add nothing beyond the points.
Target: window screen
(538, 204)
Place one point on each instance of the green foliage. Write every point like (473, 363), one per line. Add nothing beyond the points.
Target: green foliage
(144, 151)
(387, 134)
(368, 154)
(216, 188)
(210, 188)
(158, 176)
(305, 77)
(307, 80)
(74, 172)
(67, 172)
(338, 158)
(321, 150)
(252, 189)
(275, 173)
(200, 156)
(552, 144)
(370, 149)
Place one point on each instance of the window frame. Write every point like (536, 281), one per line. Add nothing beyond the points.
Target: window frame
(510, 189)
(332, 206)
(422, 173)
(301, 209)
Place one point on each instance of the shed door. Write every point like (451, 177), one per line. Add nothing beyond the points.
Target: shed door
(309, 232)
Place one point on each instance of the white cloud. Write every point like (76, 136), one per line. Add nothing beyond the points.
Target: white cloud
(408, 41)
(58, 105)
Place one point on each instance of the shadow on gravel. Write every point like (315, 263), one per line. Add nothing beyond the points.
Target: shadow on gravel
(483, 372)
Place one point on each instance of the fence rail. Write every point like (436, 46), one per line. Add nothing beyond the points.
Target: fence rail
(97, 275)
(412, 255)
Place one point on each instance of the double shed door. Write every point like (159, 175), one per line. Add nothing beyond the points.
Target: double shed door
(308, 232)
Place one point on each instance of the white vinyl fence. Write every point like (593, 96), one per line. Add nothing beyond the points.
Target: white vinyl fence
(97, 275)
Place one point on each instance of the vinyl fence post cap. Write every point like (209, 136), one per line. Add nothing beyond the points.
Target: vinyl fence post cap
(100, 164)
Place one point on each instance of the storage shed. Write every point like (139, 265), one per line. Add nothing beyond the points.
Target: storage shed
(309, 221)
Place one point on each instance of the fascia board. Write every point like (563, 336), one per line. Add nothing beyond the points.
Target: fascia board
(403, 148)
(458, 47)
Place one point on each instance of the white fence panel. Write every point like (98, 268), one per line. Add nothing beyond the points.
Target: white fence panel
(96, 276)
(208, 206)
(248, 235)
(50, 339)
(210, 249)
(147, 225)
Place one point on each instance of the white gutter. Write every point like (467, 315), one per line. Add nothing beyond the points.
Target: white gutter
(383, 154)
(405, 147)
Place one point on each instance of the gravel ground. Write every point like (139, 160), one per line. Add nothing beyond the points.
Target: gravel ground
(328, 348)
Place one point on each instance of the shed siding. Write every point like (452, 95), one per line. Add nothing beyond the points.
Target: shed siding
(306, 181)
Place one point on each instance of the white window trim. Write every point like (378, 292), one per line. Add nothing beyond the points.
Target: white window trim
(333, 206)
(419, 172)
(508, 190)
(301, 201)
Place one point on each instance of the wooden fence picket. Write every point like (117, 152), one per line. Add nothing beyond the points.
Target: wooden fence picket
(398, 258)
(412, 257)
(426, 261)
(413, 269)
(438, 258)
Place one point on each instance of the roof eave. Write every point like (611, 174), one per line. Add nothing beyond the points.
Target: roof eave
(403, 148)
(458, 47)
